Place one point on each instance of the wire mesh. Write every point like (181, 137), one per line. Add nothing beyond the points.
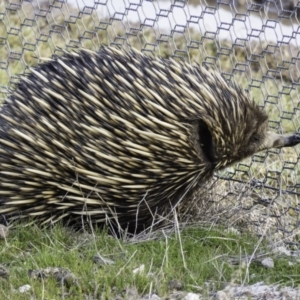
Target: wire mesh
(255, 43)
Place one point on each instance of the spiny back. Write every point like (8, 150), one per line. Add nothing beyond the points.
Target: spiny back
(117, 134)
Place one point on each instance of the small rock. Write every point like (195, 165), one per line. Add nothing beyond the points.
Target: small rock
(62, 275)
(191, 296)
(268, 263)
(174, 285)
(132, 293)
(283, 250)
(99, 259)
(24, 288)
(3, 232)
(139, 270)
(233, 230)
(3, 272)
(68, 279)
(177, 295)
(221, 295)
(151, 297)
(295, 253)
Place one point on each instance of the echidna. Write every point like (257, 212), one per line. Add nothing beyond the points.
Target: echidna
(122, 136)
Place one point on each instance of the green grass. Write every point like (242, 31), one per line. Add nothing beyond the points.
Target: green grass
(200, 259)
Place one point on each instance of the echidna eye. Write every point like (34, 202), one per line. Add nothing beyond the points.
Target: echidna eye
(255, 138)
(206, 142)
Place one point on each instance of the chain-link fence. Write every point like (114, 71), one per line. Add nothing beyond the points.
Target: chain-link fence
(255, 43)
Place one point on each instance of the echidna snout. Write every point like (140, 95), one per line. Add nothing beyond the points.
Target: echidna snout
(274, 140)
(120, 136)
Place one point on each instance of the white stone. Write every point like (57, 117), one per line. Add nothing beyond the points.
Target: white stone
(24, 288)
